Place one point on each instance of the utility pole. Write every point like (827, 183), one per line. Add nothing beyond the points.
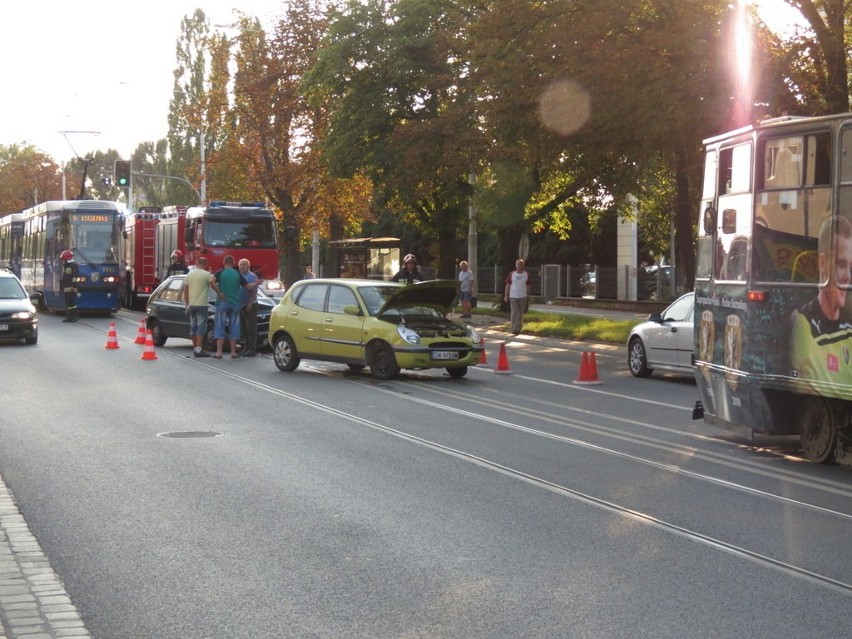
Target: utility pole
(472, 241)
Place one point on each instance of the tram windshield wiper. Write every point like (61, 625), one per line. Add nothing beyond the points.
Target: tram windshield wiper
(85, 258)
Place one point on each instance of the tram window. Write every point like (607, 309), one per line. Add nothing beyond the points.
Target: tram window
(782, 163)
(846, 156)
(709, 176)
(735, 169)
(818, 165)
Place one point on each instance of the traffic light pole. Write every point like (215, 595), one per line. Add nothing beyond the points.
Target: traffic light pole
(200, 195)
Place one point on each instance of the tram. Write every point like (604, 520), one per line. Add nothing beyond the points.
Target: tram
(89, 228)
(773, 307)
(12, 242)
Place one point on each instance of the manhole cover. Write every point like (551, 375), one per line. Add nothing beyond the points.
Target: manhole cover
(184, 434)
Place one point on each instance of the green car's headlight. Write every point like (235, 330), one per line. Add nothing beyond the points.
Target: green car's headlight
(474, 336)
(408, 335)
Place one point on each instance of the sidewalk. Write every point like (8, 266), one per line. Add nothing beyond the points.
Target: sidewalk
(33, 601)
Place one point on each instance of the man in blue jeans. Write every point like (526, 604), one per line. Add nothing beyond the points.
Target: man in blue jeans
(230, 282)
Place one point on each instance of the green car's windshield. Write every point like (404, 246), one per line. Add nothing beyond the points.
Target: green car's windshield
(375, 297)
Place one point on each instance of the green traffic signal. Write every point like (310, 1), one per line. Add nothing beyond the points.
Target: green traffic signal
(122, 172)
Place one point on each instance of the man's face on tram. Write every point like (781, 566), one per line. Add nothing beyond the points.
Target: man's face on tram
(839, 275)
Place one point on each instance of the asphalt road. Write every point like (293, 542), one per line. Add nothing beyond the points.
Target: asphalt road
(322, 503)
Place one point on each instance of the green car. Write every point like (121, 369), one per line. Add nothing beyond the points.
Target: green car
(384, 325)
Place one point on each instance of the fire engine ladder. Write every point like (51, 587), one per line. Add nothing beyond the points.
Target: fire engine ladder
(149, 250)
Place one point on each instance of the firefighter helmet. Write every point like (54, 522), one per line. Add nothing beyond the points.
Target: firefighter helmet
(409, 258)
(66, 256)
(177, 255)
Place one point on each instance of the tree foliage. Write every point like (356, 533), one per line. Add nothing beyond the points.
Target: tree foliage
(810, 65)
(396, 81)
(382, 110)
(27, 177)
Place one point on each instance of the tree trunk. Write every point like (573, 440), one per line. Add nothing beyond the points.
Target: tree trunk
(685, 220)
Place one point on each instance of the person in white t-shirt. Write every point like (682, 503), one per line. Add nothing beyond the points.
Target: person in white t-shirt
(466, 281)
(517, 291)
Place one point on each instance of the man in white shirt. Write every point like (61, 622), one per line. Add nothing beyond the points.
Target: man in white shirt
(466, 281)
(517, 291)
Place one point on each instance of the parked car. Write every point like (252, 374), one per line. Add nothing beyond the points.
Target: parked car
(18, 314)
(273, 289)
(665, 341)
(167, 316)
(384, 325)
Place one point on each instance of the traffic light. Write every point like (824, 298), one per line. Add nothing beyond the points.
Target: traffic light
(122, 172)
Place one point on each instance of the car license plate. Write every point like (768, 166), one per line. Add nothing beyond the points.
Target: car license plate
(4, 327)
(445, 355)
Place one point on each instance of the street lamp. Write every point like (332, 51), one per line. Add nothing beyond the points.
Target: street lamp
(202, 150)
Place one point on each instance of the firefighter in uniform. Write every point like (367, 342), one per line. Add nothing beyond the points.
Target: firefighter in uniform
(66, 282)
(178, 266)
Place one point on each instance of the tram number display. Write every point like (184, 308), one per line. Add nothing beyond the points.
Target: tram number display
(89, 217)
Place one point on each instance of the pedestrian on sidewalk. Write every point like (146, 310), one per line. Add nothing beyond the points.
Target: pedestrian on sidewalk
(516, 293)
(466, 283)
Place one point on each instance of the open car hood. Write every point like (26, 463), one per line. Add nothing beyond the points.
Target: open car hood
(438, 294)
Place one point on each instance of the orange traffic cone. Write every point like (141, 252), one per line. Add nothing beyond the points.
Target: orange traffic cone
(140, 334)
(112, 337)
(588, 370)
(149, 352)
(503, 362)
(483, 359)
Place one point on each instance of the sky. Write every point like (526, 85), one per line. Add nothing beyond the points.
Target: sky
(101, 70)
(96, 66)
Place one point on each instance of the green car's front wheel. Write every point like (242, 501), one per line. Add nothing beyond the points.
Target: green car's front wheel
(383, 363)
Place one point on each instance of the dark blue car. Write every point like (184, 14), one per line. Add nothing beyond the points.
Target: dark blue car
(167, 316)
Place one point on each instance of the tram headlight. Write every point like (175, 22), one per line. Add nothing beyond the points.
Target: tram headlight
(80, 279)
(110, 279)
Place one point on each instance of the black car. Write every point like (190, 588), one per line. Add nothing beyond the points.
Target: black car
(18, 315)
(167, 316)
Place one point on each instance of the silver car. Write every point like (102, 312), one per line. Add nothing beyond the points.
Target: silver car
(665, 341)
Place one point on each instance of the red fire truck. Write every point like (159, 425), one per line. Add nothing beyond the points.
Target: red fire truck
(241, 229)
(140, 238)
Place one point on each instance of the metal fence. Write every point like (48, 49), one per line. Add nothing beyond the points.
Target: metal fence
(554, 281)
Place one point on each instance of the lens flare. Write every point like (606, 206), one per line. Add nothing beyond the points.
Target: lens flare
(564, 107)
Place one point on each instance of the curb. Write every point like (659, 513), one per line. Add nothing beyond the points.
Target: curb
(33, 601)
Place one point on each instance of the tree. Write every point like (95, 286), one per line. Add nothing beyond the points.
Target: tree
(396, 80)
(811, 66)
(596, 108)
(189, 108)
(27, 177)
(278, 129)
(152, 158)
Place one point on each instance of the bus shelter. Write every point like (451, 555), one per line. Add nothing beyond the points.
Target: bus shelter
(376, 258)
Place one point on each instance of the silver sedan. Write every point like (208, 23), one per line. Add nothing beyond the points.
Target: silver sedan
(665, 341)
